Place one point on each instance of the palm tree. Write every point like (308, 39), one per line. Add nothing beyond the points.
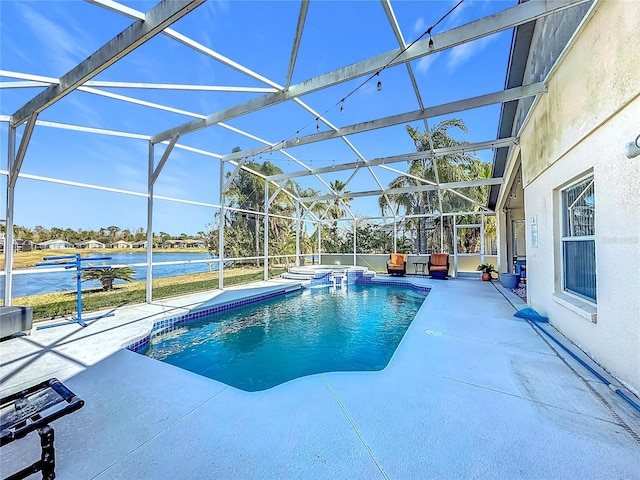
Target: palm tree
(247, 193)
(335, 210)
(450, 168)
(106, 275)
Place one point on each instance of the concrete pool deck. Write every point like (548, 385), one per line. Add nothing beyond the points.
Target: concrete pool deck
(471, 392)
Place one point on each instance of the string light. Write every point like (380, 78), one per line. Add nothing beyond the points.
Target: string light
(431, 47)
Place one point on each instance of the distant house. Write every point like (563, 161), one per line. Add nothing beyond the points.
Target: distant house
(3, 241)
(120, 244)
(90, 244)
(140, 244)
(196, 244)
(19, 245)
(27, 245)
(55, 245)
(174, 243)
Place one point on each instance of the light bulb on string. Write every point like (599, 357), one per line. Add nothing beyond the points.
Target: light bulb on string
(379, 85)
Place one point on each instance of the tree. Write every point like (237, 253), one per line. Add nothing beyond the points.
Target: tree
(126, 235)
(336, 209)
(106, 275)
(140, 235)
(450, 168)
(113, 232)
(247, 193)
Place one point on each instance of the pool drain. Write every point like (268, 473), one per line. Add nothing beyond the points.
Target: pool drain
(434, 333)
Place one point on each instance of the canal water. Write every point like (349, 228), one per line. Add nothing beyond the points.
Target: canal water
(47, 282)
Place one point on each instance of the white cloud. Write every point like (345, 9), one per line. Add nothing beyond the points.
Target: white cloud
(65, 49)
(419, 26)
(460, 54)
(424, 64)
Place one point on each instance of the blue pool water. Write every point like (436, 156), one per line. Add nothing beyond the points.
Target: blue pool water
(268, 343)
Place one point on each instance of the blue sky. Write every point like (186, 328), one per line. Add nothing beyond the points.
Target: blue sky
(49, 38)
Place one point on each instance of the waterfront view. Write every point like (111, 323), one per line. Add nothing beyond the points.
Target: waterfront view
(48, 282)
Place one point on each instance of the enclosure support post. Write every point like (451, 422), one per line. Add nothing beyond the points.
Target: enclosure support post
(221, 231)
(149, 289)
(482, 252)
(298, 224)
(319, 229)
(355, 243)
(8, 246)
(266, 231)
(395, 234)
(455, 246)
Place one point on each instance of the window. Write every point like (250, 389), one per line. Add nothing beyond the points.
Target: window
(578, 241)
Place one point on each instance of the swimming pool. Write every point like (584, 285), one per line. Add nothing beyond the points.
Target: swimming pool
(264, 344)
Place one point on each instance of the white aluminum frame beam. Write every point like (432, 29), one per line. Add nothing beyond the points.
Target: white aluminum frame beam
(388, 10)
(16, 163)
(438, 152)
(501, 96)
(163, 160)
(304, 7)
(216, 56)
(155, 21)
(135, 14)
(394, 191)
(512, 17)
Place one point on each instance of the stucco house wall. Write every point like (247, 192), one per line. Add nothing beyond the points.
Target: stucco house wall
(581, 126)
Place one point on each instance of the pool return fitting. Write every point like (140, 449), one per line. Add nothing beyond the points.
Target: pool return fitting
(339, 279)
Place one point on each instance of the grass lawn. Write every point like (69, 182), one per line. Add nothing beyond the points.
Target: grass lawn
(51, 305)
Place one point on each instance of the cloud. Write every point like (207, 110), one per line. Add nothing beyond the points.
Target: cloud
(67, 50)
(424, 64)
(419, 26)
(460, 54)
(457, 14)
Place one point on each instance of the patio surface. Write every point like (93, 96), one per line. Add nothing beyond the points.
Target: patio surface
(471, 392)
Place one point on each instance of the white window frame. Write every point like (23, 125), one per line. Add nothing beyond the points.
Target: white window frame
(566, 219)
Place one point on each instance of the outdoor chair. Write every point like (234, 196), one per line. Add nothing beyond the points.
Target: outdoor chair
(439, 265)
(397, 265)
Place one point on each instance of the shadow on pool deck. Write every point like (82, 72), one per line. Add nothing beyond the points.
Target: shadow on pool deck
(471, 392)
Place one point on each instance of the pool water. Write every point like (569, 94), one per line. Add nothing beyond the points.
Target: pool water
(268, 343)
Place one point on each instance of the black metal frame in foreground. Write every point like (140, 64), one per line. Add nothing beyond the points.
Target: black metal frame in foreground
(34, 409)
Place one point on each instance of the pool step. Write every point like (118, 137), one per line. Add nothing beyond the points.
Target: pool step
(297, 276)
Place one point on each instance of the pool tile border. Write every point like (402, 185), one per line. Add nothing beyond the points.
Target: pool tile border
(170, 324)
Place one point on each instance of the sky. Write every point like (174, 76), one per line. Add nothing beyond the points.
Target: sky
(39, 38)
